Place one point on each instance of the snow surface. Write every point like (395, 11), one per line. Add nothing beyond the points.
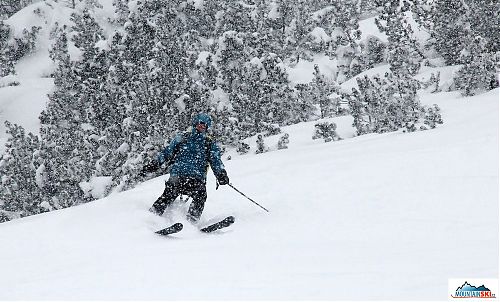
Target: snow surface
(390, 216)
(302, 73)
(368, 28)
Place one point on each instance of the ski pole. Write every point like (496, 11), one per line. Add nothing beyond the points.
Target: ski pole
(248, 198)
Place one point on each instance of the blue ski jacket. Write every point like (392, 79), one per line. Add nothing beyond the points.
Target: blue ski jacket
(191, 153)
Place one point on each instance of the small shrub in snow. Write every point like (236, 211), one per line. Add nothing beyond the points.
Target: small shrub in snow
(9, 80)
(326, 131)
(272, 129)
(433, 116)
(261, 147)
(283, 142)
(433, 83)
(243, 148)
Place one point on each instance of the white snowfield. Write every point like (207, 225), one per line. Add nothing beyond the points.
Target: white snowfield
(389, 216)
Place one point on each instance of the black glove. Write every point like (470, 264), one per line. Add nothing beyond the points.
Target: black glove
(222, 178)
(151, 167)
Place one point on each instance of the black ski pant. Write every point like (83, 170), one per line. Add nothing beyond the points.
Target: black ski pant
(175, 186)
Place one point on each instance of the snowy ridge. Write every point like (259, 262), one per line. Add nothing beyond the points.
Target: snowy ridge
(347, 219)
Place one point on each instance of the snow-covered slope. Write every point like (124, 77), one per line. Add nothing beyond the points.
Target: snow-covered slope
(388, 216)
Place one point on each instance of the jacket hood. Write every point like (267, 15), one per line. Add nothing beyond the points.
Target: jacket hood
(202, 117)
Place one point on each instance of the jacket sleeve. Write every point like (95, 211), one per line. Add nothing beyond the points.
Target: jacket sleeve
(215, 160)
(168, 152)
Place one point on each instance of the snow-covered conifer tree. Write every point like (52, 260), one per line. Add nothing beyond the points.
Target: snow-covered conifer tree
(230, 58)
(6, 64)
(433, 116)
(372, 52)
(243, 148)
(261, 146)
(479, 72)
(446, 20)
(12, 51)
(233, 16)
(403, 51)
(326, 131)
(121, 11)
(299, 41)
(321, 88)
(68, 124)
(343, 19)
(20, 194)
(284, 141)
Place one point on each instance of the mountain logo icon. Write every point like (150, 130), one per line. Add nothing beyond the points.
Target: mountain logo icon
(470, 291)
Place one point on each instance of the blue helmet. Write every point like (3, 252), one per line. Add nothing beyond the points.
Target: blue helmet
(202, 117)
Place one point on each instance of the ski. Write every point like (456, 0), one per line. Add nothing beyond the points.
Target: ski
(224, 223)
(174, 228)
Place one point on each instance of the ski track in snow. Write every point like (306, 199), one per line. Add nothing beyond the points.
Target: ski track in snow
(389, 216)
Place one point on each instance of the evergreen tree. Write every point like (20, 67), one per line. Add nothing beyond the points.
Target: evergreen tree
(372, 52)
(479, 72)
(403, 52)
(233, 16)
(453, 25)
(226, 128)
(483, 20)
(326, 131)
(68, 130)
(263, 96)
(284, 141)
(299, 42)
(261, 146)
(305, 103)
(230, 58)
(20, 194)
(6, 64)
(433, 116)
(10, 7)
(285, 10)
(243, 148)
(151, 69)
(121, 11)
(386, 104)
(111, 143)
(321, 88)
(12, 51)
(446, 22)
(368, 8)
(201, 16)
(343, 18)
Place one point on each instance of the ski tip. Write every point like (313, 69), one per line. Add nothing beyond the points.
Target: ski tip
(230, 219)
(175, 228)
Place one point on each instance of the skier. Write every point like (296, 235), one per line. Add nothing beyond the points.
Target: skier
(189, 155)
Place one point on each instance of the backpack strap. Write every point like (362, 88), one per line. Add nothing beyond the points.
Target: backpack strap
(208, 146)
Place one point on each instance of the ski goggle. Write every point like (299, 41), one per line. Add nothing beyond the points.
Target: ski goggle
(201, 126)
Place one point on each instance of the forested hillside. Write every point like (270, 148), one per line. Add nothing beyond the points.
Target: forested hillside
(127, 77)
